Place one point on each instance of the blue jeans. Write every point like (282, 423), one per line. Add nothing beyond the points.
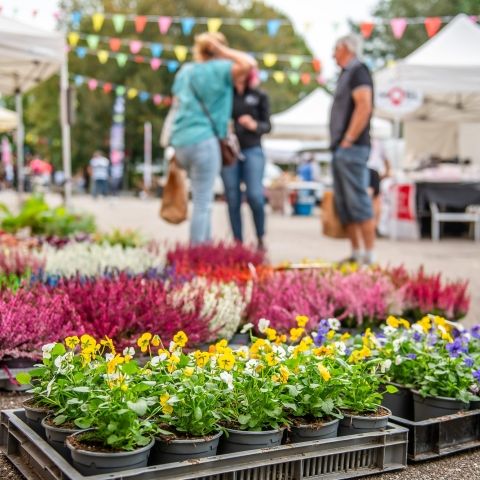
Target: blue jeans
(249, 171)
(100, 186)
(202, 162)
(350, 184)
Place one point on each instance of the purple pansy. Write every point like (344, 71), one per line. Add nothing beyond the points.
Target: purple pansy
(475, 331)
(455, 348)
(476, 375)
(411, 356)
(469, 362)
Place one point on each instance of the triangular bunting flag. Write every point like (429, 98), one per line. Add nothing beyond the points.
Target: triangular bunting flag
(115, 44)
(92, 84)
(248, 24)
(181, 52)
(144, 96)
(103, 56)
(214, 24)
(155, 63)
(76, 19)
(132, 93)
(305, 78)
(120, 90)
(139, 59)
(107, 87)
(263, 75)
(398, 26)
(97, 21)
(164, 24)
(432, 25)
(73, 38)
(157, 99)
(272, 27)
(118, 22)
(140, 22)
(278, 76)
(172, 66)
(187, 25)
(366, 28)
(316, 64)
(269, 59)
(135, 46)
(156, 49)
(81, 52)
(92, 41)
(122, 59)
(296, 61)
(294, 78)
(78, 80)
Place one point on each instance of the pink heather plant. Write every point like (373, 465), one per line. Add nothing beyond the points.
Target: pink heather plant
(30, 319)
(18, 261)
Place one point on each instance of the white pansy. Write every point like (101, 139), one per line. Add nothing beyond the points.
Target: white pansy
(49, 387)
(228, 379)
(46, 350)
(109, 356)
(263, 324)
(340, 348)
(62, 362)
(417, 328)
(388, 330)
(334, 324)
(246, 328)
(397, 344)
(128, 351)
(155, 361)
(385, 365)
(163, 356)
(279, 351)
(398, 360)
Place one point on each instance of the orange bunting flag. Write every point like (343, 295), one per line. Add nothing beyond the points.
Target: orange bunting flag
(115, 44)
(97, 21)
(432, 25)
(305, 78)
(366, 28)
(140, 22)
(317, 65)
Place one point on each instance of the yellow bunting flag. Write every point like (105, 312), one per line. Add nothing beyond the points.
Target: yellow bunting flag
(132, 93)
(279, 76)
(97, 21)
(103, 56)
(269, 59)
(214, 24)
(181, 52)
(73, 38)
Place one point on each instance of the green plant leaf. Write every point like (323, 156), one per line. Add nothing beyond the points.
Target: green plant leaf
(81, 389)
(139, 407)
(244, 419)
(391, 389)
(59, 419)
(23, 378)
(198, 413)
(130, 368)
(83, 422)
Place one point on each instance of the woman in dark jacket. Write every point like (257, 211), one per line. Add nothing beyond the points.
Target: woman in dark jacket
(251, 115)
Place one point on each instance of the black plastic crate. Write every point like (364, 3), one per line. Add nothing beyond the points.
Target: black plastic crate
(441, 436)
(338, 458)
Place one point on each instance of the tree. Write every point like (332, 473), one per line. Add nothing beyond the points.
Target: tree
(382, 46)
(94, 108)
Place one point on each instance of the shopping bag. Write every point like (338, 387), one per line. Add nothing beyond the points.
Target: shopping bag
(174, 205)
(331, 224)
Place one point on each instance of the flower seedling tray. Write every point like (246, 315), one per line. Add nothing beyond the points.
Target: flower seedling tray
(441, 436)
(351, 456)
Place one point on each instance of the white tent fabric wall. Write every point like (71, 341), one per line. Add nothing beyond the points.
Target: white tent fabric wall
(447, 70)
(309, 119)
(8, 120)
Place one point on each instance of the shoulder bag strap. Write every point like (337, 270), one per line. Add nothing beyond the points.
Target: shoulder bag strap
(204, 108)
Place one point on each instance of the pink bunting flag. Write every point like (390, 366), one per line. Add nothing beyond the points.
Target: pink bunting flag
(155, 63)
(398, 26)
(432, 25)
(164, 24)
(157, 99)
(92, 84)
(140, 22)
(135, 46)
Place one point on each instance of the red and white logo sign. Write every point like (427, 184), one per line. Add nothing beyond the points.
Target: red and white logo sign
(398, 100)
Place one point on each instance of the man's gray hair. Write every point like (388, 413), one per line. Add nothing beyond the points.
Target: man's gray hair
(353, 43)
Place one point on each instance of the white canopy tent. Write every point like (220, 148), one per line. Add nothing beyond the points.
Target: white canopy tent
(29, 55)
(446, 69)
(309, 119)
(8, 120)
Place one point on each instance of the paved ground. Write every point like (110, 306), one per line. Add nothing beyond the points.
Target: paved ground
(297, 238)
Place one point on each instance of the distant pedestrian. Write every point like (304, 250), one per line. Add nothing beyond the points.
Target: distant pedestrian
(99, 166)
(116, 177)
(350, 143)
(251, 114)
(203, 92)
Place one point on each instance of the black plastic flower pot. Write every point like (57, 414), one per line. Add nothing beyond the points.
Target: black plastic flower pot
(240, 339)
(89, 462)
(399, 403)
(433, 407)
(177, 450)
(56, 436)
(310, 432)
(34, 416)
(241, 440)
(355, 424)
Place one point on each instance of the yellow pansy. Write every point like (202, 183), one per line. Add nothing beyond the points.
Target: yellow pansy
(330, 334)
(296, 333)
(259, 345)
(404, 323)
(201, 358)
(144, 341)
(72, 342)
(180, 338)
(108, 342)
(188, 371)
(324, 351)
(271, 359)
(393, 322)
(156, 340)
(425, 323)
(166, 407)
(345, 336)
(280, 339)
(172, 363)
(284, 374)
(226, 361)
(270, 333)
(123, 387)
(88, 343)
(302, 320)
(324, 372)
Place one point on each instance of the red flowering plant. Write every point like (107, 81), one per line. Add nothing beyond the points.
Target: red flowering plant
(31, 318)
(219, 261)
(19, 261)
(428, 293)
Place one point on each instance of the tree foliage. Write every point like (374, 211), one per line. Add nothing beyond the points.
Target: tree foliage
(94, 108)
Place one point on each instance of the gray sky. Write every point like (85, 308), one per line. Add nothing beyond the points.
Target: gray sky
(319, 21)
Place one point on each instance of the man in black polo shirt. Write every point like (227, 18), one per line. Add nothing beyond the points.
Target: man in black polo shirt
(350, 143)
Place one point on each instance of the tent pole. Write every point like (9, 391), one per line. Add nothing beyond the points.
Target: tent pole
(20, 141)
(66, 145)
